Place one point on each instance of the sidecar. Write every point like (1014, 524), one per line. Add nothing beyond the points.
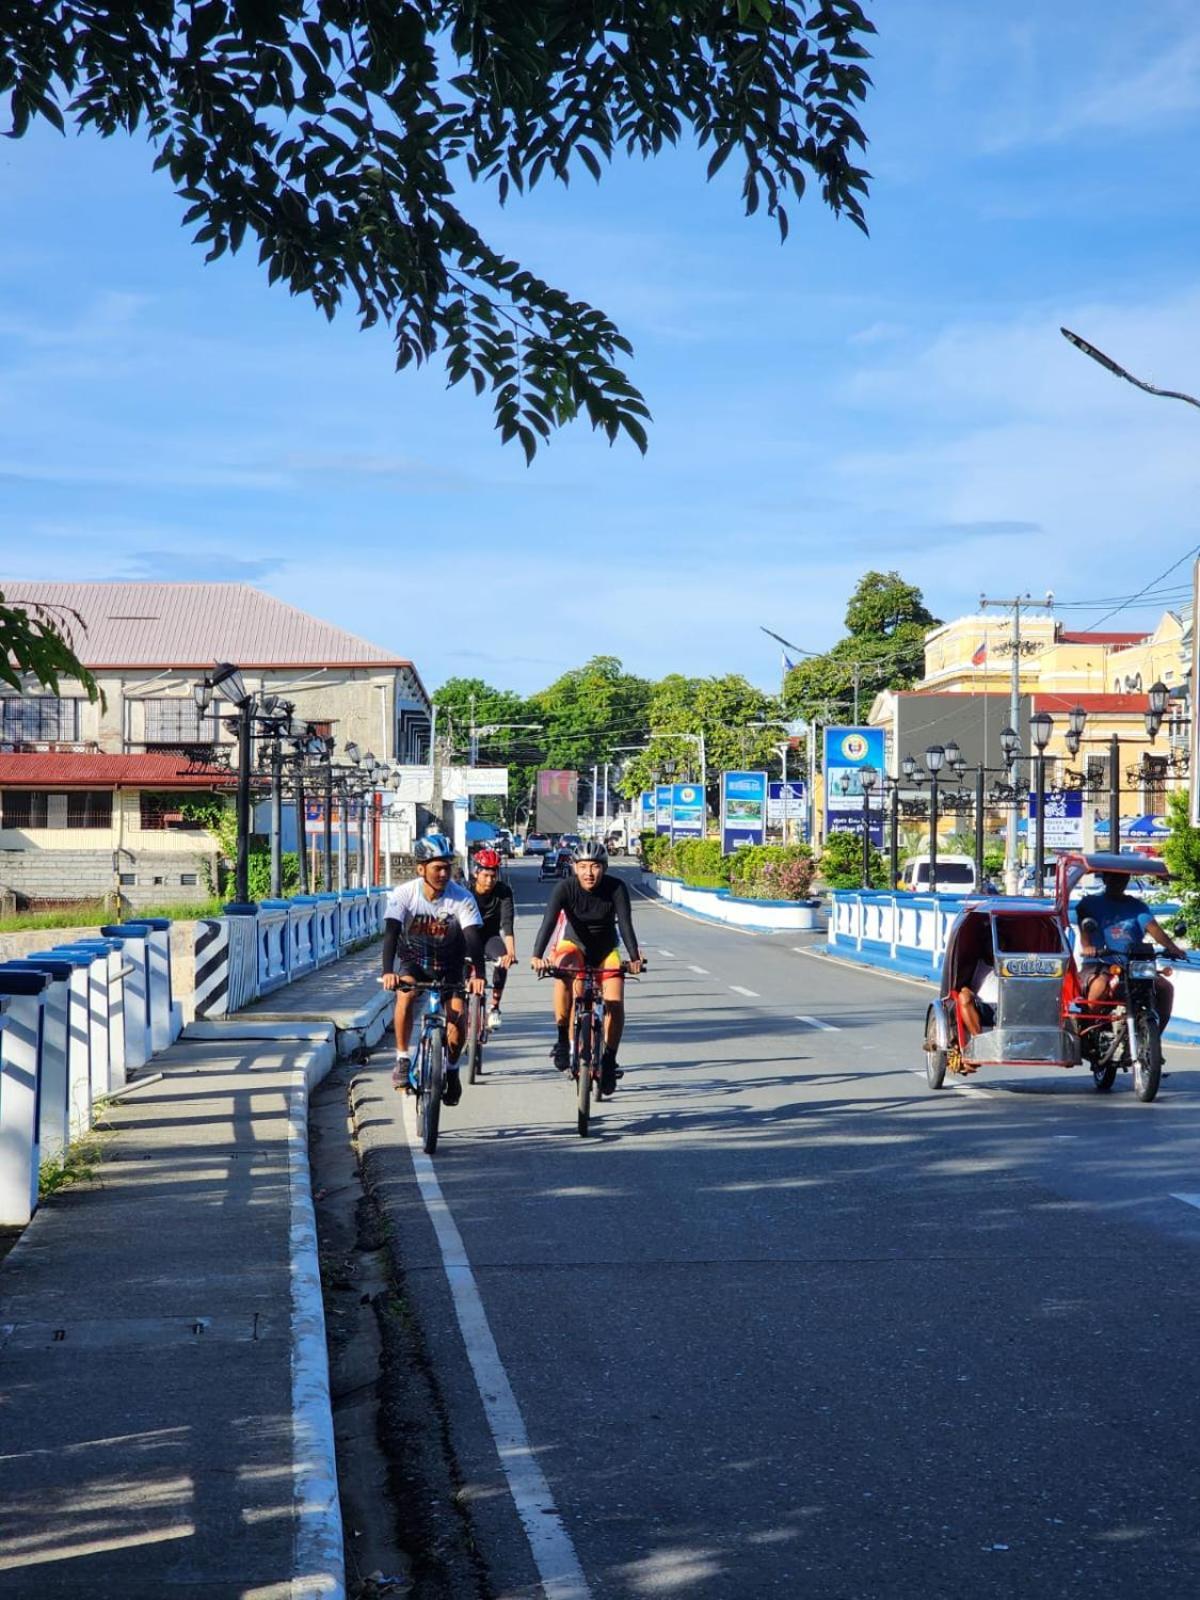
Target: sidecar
(1028, 944)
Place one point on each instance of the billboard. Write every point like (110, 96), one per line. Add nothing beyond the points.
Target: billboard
(687, 811)
(646, 803)
(743, 810)
(663, 797)
(1064, 818)
(784, 807)
(847, 752)
(557, 801)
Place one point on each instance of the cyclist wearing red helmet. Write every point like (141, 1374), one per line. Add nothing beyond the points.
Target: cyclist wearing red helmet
(495, 901)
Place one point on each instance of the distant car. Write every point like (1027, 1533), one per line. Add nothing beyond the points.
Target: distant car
(570, 841)
(955, 875)
(536, 844)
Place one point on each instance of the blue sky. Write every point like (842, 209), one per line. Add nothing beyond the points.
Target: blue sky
(834, 404)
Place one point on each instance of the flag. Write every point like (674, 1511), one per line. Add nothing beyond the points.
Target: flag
(788, 666)
(980, 656)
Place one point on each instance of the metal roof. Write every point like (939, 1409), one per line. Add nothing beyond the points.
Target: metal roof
(68, 770)
(194, 624)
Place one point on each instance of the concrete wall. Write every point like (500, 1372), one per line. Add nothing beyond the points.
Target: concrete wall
(183, 946)
(87, 874)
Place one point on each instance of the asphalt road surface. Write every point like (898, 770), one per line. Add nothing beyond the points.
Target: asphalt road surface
(789, 1324)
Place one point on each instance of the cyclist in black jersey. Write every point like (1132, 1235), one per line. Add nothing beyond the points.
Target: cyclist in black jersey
(584, 914)
(495, 901)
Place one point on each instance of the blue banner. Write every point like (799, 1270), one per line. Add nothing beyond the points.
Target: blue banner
(662, 807)
(687, 811)
(847, 752)
(646, 801)
(743, 810)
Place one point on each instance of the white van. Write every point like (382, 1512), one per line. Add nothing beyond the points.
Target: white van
(955, 875)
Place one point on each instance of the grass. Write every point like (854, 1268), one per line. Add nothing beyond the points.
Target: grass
(81, 1159)
(94, 913)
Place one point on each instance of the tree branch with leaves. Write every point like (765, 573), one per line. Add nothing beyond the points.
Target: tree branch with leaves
(36, 642)
(339, 135)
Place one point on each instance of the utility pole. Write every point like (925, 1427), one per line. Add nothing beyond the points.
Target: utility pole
(1014, 712)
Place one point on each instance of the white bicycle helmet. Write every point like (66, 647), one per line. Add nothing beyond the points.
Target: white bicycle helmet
(592, 850)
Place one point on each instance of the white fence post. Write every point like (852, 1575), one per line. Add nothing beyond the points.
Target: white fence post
(134, 939)
(20, 1049)
(54, 1116)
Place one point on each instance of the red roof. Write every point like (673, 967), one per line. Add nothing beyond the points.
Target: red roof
(1132, 705)
(1068, 636)
(67, 771)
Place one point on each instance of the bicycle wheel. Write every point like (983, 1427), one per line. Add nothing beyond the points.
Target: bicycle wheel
(474, 1038)
(582, 1062)
(432, 1080)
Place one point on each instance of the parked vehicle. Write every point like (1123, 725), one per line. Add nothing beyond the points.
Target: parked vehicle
(536, 844)
(955, 875)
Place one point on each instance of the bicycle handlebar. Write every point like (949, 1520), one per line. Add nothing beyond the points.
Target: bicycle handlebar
(411, 985)
(569, 974)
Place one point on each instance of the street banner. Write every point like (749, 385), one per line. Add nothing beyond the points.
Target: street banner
(663, 797)
(646, 813)
(743, 810)
(847, 752)
(687, 811)
(1064, 818)
(557, 801)
(782, 807)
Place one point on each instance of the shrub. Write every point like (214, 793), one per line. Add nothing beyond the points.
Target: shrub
(841, 862)
(700, 863)
(772, 872)
(1181, 852)
(659, 854)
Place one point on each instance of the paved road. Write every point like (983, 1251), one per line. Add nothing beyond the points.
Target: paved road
(790, 1325)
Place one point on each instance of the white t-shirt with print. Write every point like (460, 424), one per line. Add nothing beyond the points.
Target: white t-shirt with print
(431, 929)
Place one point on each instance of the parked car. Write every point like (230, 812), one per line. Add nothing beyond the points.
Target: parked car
(569, 841)
(955, 875)
(536, 844)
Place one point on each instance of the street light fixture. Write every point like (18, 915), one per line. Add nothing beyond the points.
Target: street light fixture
(867, 776)
(1010, 744)
(228, 679)
(934, 757)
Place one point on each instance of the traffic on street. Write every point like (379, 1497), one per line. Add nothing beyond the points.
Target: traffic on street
(789, 1323)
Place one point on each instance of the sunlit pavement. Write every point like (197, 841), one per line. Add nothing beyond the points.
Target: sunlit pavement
(787, 1323)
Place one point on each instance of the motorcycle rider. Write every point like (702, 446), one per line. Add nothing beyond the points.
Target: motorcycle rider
(1112, 922)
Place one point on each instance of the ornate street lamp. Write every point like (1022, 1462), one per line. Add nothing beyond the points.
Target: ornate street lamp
(867, 776)
(934, 757)
(1041, 726)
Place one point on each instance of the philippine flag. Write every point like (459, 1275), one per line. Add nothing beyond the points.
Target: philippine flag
(980, 656)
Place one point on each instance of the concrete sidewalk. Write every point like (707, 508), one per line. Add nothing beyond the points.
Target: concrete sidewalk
(164, 1405)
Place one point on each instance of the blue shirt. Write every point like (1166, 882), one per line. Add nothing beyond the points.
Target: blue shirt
(1123, 919)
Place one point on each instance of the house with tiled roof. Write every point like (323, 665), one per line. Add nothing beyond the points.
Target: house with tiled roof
(92, 794)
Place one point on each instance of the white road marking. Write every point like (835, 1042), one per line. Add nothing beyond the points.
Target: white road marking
(751, 994)
(815, 1022)
(1188, 1199)
(799, 949)
(549, 1542)
(670, 954)
(703, 971)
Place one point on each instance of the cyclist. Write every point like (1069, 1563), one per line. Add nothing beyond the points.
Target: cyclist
(583, 914)
(434, 926)
(495, 902)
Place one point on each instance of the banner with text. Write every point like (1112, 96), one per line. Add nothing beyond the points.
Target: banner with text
(847, 752)
(662, 807)
(786, 803)
(687, 811)
(1064, 818)
(743, 810)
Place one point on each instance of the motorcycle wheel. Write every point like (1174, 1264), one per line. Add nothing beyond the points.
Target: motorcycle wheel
(1104, 1074)
(935, 1059)
(1147, 1069)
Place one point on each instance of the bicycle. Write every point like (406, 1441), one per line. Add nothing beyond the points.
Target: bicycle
(587, 1034)
(431, 1058)
(478, 1033)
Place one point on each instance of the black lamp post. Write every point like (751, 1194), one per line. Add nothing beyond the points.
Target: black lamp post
(893, 790)
(227, 680)
(934, 757)
(867, 776)
(1041, 726)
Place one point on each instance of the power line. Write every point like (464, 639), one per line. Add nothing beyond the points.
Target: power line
(1188, 555)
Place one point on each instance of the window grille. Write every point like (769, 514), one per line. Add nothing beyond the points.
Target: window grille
(178, 722)
(29, 719)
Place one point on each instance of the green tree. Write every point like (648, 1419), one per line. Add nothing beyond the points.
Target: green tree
(1181, 852)
(35, 642)
(887, 621)
(729, 711)
(340, 137)
(590, 712)
(463, 703)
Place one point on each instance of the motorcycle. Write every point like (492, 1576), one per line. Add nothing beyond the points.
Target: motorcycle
(1121, 1030)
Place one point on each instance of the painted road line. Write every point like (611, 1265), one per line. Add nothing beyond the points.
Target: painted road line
(670, 954)
(703, 971)
(549, 1542)
(815, 1022)
(751, 994)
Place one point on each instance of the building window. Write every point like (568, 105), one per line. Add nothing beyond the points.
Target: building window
(162, 812)
(79, 808)
(188, 879)
(37, 718)
(127, 878)
(179, 722)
